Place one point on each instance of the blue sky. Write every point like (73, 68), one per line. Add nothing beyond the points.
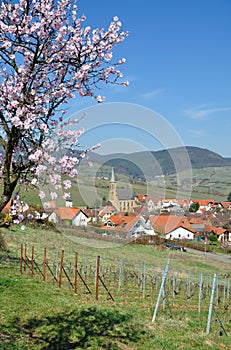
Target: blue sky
(178, 64)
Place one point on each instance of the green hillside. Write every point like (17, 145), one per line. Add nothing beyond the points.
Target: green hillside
(164, 162)
(213, 183)
(149, 172)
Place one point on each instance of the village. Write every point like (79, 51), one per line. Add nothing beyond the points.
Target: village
(132, 215)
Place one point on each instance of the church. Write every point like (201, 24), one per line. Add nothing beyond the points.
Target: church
(123, 200)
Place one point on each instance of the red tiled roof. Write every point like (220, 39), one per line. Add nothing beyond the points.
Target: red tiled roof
(166, 200)
(142, 197)
(91, 212)
(216, 230)
(226, 205)
(182, 202)
(196, 221)
(165, 224)
(67, 213)
(219, 231)
(122, 222)
(157, 199)
(106, 210)
(203, 202)
(114, 219)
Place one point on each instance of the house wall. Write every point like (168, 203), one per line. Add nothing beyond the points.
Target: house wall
(126, 205)
(180, 233)
(53, 218)
(141, 228)
(106, 216)
(80, 220)
(150, 206)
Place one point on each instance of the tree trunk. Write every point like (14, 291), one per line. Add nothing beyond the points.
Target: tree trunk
(8, 190)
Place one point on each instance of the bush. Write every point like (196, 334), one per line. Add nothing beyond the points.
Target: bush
(213, 239)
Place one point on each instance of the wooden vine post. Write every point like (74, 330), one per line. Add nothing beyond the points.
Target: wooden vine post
(97, 278)
(21, 258)
(25, 258)
(76, 273)
(44, 264)
(32, 262)
(61, 269)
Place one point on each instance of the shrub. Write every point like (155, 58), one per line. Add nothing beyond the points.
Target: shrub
(213, 239)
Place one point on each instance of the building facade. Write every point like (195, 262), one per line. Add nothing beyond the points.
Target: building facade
(122, 199)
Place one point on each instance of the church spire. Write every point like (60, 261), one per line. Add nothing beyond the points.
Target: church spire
(112, 175)
(112, 196)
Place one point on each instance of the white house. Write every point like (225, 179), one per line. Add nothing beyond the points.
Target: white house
(68, 216)
(180, 233)
(132, 226)
(106, 212)
(172, 226)
(141, 227)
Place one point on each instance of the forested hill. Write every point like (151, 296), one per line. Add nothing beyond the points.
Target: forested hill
(131, 164)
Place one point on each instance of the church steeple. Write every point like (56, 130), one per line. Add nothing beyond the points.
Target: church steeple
(112, 175)
(112, 196)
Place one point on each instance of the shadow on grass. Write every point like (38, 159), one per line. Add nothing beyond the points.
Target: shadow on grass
(90, 328)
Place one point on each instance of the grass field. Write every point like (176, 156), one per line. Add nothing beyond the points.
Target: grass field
(38, 315)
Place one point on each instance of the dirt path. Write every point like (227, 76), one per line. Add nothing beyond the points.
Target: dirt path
(216, 256)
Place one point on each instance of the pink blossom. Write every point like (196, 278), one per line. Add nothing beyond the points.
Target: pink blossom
(7, 44)
(36, 84)
(67, 184)
(53, 195)
(73, 173)
(42, 195)
(34, 181)
(100, 98)
(35, 156)
(96, 146)
(66, 195)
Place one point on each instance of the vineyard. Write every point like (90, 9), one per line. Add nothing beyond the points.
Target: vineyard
(56, 290)
(159, 290)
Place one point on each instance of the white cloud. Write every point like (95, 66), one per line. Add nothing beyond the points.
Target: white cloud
(153, 93)
(202, 111)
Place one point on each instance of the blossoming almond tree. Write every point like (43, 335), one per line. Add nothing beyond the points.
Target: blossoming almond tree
(47, 57)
